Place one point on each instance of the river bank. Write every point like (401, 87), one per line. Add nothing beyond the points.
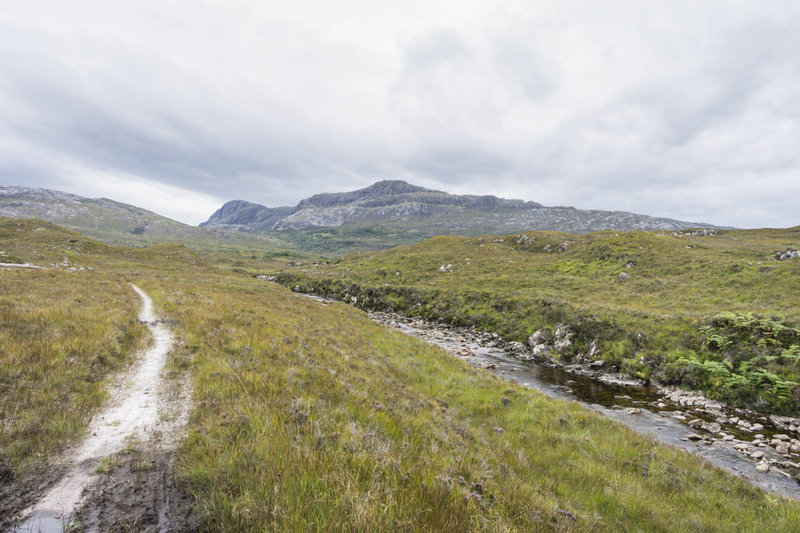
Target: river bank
(761, 448)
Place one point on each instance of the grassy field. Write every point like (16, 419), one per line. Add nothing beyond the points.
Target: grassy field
(713, 312)
(336, 241)
(310, 417)
(61, 335)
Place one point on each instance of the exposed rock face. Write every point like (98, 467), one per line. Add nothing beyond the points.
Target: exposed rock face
(539, 337)
(392, 192)
(516, 347)
(696, 233)
(592, 353)
(542, 350)
(542, 342)
(563, 338)
(429, 212)
(247, 216)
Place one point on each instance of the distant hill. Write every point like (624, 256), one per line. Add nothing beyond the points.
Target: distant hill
(377, 217)
(113, 222)
(426, 212)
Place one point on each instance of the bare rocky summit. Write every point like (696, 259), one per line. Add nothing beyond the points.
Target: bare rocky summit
(429, 212)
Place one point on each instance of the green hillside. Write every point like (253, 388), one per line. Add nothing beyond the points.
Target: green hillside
(119, 223)
(312, 417)
(712, 310)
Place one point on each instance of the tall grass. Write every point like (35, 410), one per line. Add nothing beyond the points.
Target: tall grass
(312, 418)
(61, 335)
(650, 324)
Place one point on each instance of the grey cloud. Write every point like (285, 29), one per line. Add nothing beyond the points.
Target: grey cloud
(458, 163)
(643, 106)
(441, 47)
(520, 62)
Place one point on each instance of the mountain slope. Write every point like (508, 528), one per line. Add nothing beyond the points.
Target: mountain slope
(427, 212)
(239, 214)
(111, 221)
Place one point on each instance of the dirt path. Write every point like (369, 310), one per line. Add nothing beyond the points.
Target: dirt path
(19, 265)
(137, 410)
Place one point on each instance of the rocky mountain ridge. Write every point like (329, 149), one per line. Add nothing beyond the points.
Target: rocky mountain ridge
(429, 212)
(383, 215)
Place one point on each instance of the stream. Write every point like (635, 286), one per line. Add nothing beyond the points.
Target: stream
(747, 449)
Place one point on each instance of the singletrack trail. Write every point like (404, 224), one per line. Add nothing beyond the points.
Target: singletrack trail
(133, 410)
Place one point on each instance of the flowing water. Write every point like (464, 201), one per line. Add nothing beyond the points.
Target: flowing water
(642, 408)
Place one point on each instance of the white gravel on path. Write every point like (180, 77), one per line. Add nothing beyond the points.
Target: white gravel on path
(133, 409)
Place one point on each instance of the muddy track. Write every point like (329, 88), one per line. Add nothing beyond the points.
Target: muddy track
(142, 411)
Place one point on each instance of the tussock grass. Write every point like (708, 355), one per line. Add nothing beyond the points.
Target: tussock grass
(64, 333)
(313, 418)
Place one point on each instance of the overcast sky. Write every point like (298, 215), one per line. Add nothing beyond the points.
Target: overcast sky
(685, 109)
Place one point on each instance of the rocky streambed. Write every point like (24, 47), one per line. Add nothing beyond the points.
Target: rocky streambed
(763, 449)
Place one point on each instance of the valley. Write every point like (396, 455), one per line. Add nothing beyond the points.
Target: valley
(721, 435)
(313, 416)
(706, 310)
(385, 214)
(367, 267)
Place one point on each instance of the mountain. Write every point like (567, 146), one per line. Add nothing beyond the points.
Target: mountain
(380, 216)
(428, 212)
(247, 216)
(111, 221)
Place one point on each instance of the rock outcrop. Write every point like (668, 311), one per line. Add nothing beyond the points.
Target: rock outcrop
(789, 253)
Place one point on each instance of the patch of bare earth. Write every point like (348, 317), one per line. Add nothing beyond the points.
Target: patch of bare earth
(17, 494)
(121, 477)
(137, 490)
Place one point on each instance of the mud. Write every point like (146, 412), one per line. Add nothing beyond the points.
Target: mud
(142, 410)
(139, 493)
(17, 494)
